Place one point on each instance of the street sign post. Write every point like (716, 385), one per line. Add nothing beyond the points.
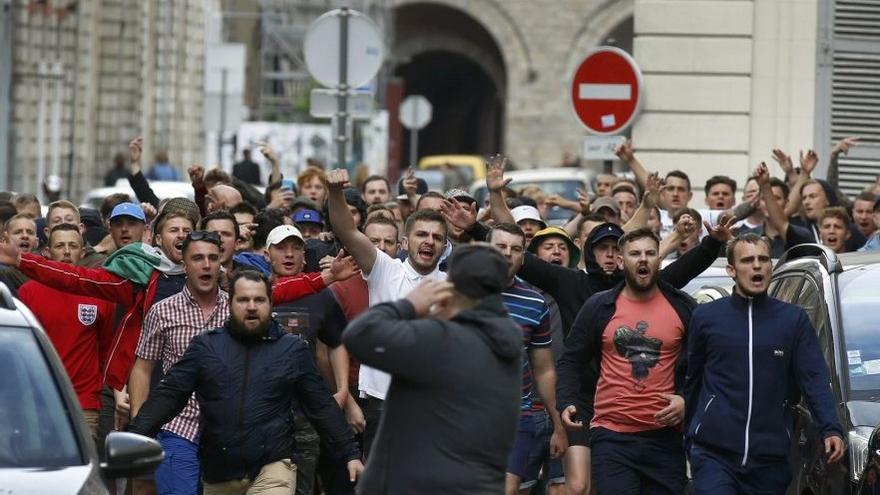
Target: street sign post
(606, 91)
(415, 114)
(343, 50)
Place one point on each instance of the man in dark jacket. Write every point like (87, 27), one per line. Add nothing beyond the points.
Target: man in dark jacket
(455, 360)
(245, 375)
(750, 357)
(626, 348)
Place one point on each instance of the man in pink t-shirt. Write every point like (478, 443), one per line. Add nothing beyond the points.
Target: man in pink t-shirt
(623, 374)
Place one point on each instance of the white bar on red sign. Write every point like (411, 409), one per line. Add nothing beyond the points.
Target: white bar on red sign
(605, 91)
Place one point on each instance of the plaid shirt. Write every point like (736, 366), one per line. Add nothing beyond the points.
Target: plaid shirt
(169, 327)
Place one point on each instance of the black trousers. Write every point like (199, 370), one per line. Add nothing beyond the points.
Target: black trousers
(649, 463)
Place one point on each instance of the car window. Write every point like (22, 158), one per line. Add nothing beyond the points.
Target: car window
(787, 287)
(858, 301)
(813, 303)
(35, 429)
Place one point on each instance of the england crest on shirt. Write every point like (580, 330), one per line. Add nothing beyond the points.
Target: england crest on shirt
(87, 313)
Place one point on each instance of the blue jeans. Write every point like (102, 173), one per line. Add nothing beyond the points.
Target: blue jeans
(522, 447)
(179, 473)
(713, 473)
(539, 457)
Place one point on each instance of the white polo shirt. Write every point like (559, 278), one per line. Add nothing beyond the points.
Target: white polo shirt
(389, 280)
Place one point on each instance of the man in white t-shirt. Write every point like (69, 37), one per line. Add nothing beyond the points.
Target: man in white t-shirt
(388, 279)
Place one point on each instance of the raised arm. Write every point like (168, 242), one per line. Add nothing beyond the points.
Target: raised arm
(842, 147)
(625, 153)
(776, 217)
(136, 179)
(275, 173)
(355, 242)
(495, 183)
(808, 164)
(90, 282)
(649, 200)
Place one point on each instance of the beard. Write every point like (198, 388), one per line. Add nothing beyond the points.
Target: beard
(239, 329)
(633, 282)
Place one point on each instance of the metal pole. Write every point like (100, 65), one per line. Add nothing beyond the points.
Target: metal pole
(56, 118)
(6, 42)
(222, 117)
(413, 147)
(41, 134)
(341, 100)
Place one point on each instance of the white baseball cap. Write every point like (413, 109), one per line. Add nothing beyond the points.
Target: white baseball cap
(281, 232)
(526, 212)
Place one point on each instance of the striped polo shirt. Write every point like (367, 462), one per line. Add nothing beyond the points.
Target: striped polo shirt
(529, 310)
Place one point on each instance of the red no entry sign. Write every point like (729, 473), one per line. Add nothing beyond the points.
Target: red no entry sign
(606, 90)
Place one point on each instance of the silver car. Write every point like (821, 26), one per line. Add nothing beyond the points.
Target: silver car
(45, 445)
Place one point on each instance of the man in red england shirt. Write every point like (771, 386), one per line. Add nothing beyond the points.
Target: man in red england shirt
(80, 328)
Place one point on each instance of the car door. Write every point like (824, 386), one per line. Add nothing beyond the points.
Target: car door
(805, 288)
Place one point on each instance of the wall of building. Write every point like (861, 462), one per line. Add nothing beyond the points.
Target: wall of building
(126, 68)
(725, 83)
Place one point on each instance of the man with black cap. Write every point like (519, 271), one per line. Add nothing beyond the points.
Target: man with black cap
(455, 360)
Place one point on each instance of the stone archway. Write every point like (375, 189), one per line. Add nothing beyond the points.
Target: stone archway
(445, 52)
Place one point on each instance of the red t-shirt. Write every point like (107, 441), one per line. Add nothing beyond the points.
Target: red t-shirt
(353, 297)
(80, 328)
(640, 348)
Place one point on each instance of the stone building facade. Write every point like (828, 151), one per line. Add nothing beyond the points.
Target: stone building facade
(105, 71)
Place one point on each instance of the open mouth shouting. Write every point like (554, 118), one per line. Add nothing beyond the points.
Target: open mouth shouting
(426, 253)
(643, 272)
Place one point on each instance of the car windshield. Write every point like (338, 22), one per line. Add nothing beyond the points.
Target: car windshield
(859, 299)
(35, 427)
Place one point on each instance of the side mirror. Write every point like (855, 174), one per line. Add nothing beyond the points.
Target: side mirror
(129, 455)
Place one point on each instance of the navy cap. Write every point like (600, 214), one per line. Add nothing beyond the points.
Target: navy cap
(602, 232)
(307, 216)
(128, 210)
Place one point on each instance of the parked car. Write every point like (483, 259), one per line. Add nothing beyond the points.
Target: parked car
(162, 189)
(45, 445)
(714, 283)
(839, 294)
(562, 181)
(468, 167)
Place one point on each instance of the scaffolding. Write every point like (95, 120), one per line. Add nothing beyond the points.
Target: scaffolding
(284, 79)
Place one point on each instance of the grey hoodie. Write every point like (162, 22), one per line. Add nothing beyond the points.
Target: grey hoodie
(451, 413)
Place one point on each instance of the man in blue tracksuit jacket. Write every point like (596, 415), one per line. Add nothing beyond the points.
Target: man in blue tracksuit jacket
(750, 357)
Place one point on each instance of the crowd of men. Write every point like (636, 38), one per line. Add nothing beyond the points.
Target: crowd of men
(283, 340)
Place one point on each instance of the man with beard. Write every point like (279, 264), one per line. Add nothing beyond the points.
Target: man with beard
(750, 357)
(634, 335)
(169, 327)
(245, 375)
(388, 279)
(454, 355)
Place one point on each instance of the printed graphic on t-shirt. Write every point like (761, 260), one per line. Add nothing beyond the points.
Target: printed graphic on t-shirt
(641, 351)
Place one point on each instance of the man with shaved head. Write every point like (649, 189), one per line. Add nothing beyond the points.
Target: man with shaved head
(222, 197)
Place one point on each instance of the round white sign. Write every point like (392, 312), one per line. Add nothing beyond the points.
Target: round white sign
(321, 49)
(415, 112)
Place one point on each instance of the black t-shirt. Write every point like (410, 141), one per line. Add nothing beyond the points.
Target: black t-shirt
(320, 317)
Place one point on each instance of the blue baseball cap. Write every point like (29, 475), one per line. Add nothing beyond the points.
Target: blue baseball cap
(128, 210)
(307, 216)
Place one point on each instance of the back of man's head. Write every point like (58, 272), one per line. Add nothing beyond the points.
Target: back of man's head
(478, 270)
